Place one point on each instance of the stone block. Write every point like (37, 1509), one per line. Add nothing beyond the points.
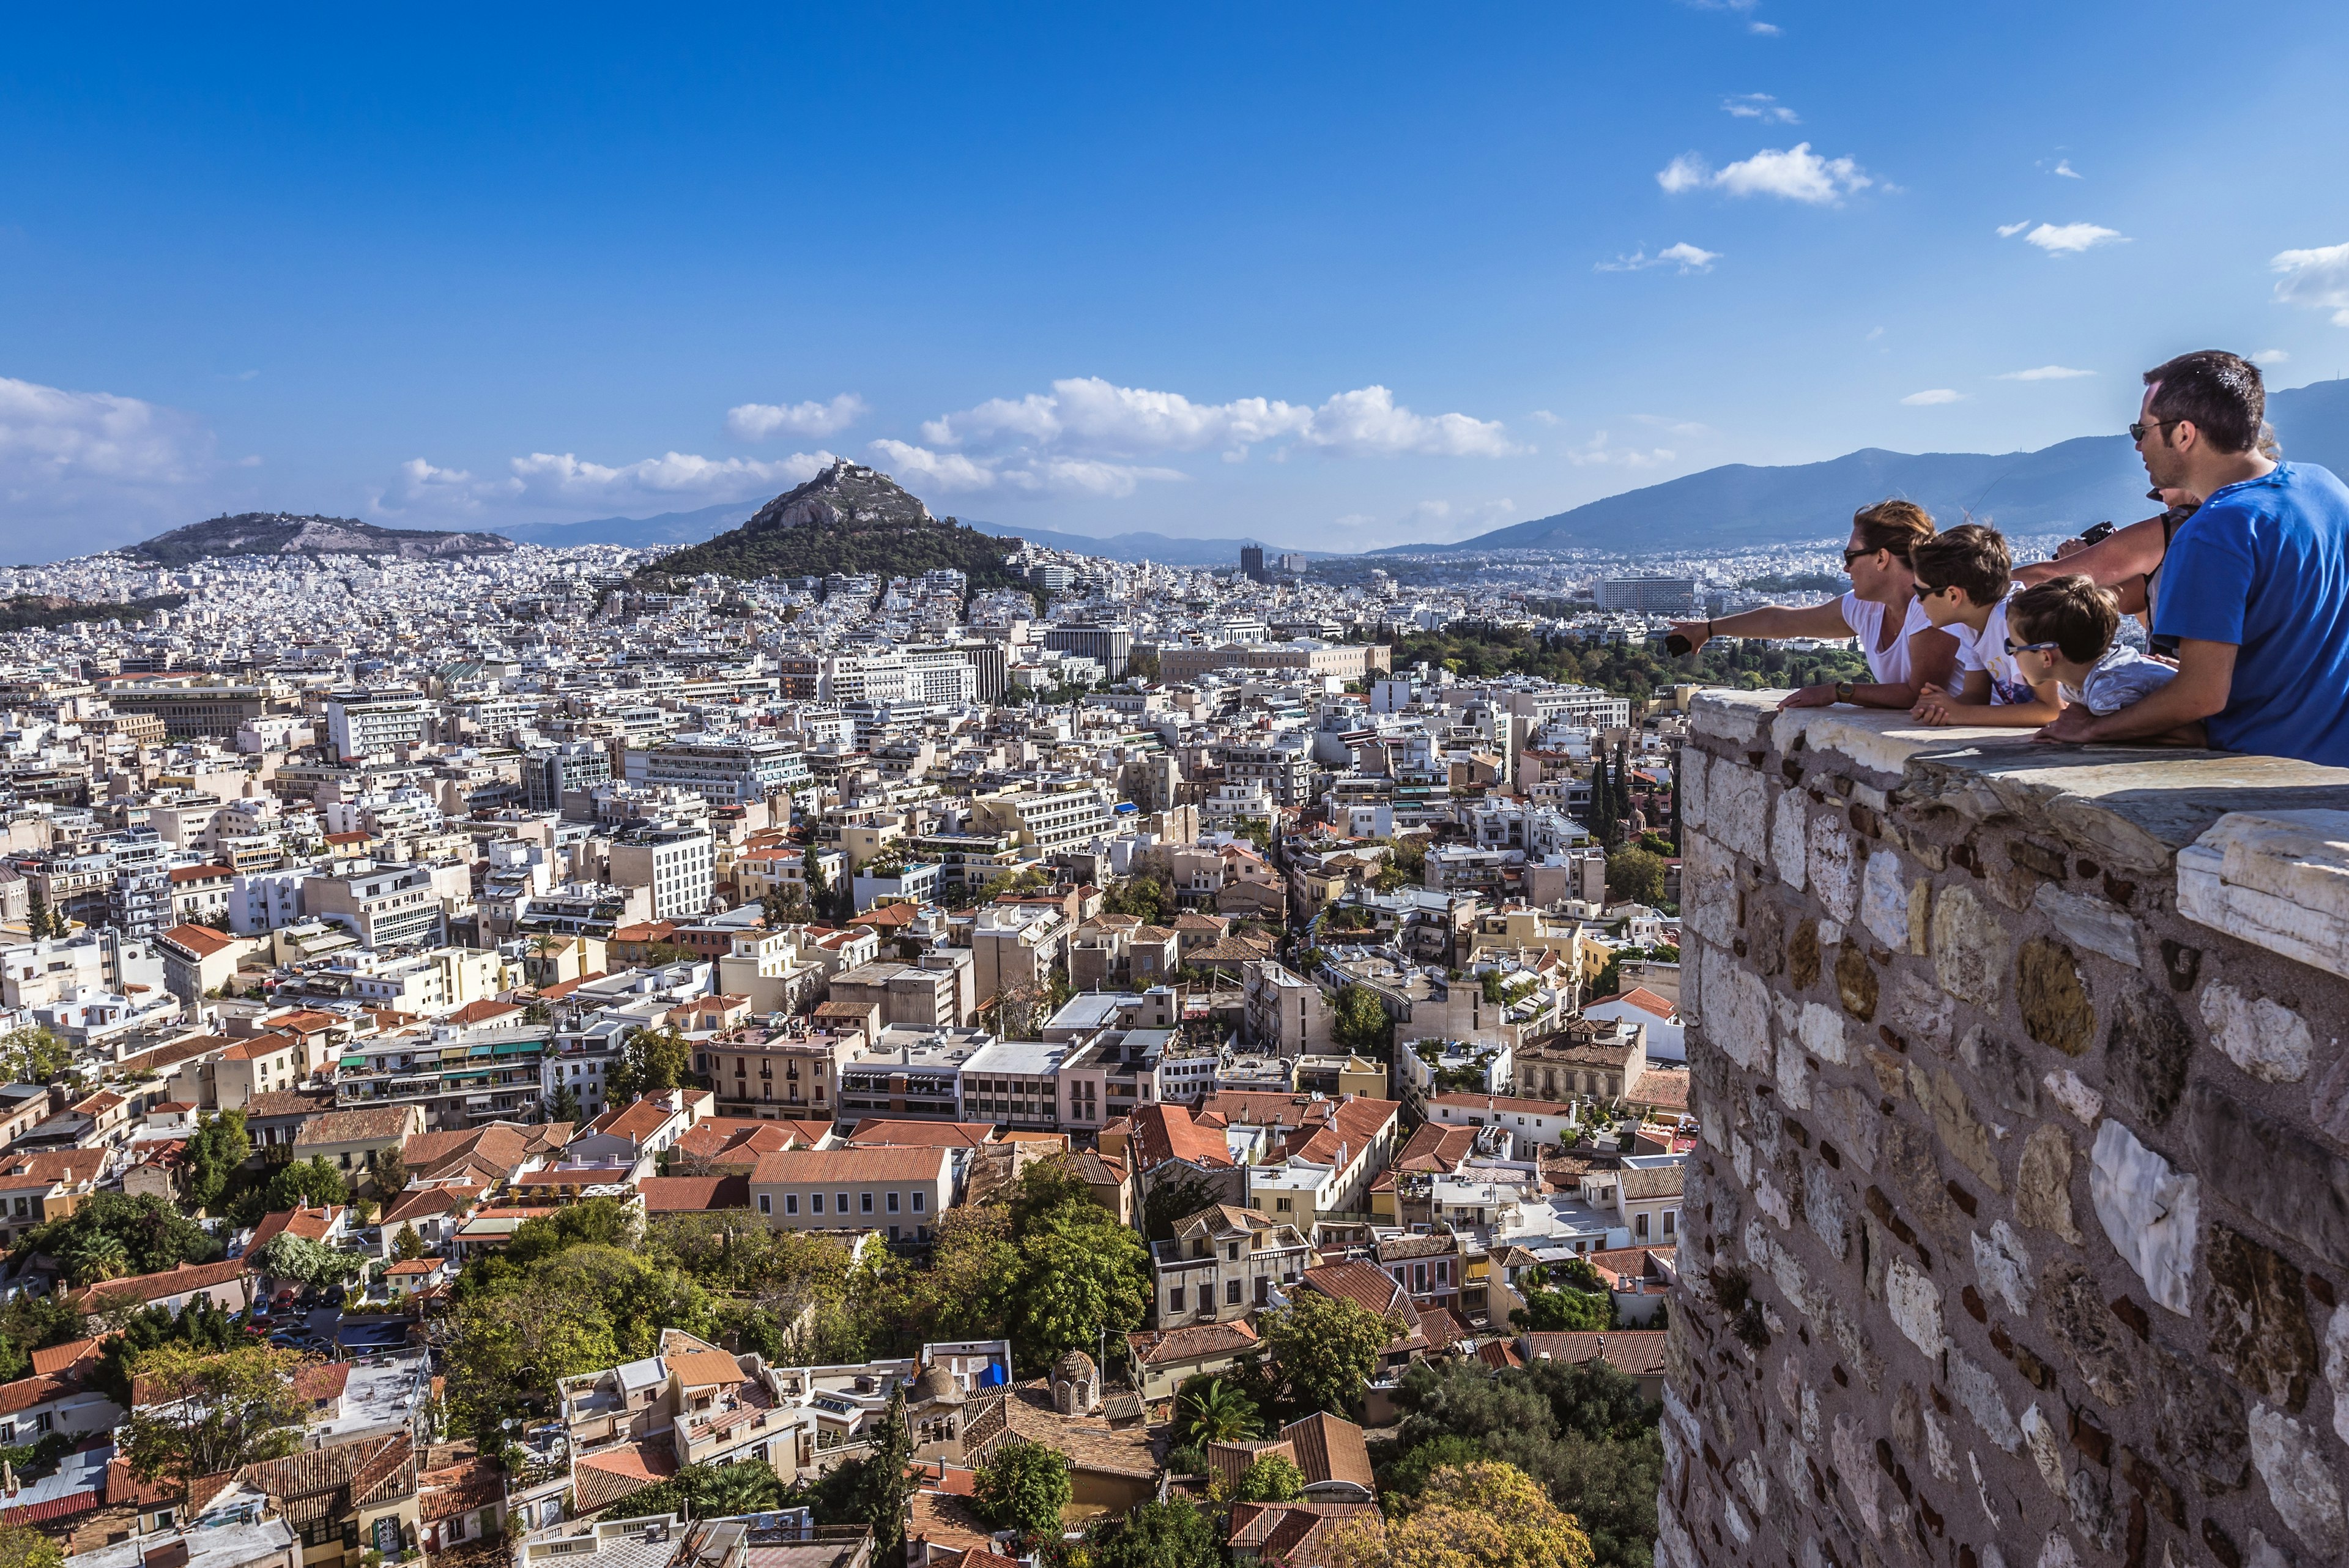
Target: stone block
(1834, 876)
(2089, 923)
(1970, 947)
(1884, 900)
(2004, 1267)
(2257, 1320)
(2337, 1369)
(2081, 1103)
(2083, 1327)
(1961, 1132)
(1789, 846)
(1856, 981)
(1737, 807)
(2043, 1183)
(2054, 997)
(2277, 879)
(2198, 1422)
(2003, 1069)
(1918, 1010)
(1736, 1010)
(1824, 1033)
(1803, 955)
(2272, 1171)
(2148, 1051)
(2270, 1042)
(1847, 1118)
(2045, 1447)
(2301, 1481)
(1694, 765)
(1826, 1210)
(2148, 1209)
(1915, 1302)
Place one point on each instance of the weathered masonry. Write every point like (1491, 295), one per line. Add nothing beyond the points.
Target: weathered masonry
(2018, 1231)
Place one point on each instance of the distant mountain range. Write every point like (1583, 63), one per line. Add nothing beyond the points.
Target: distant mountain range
(1156, 547)
(2087, 480)
(286, 534)
(849, 518)
(636, 532)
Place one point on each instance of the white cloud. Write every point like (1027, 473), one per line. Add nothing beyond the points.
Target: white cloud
(757, 422)
(2317, 278)
(2070, 239)
(1928, 399)
(1599, 451)
(2008, 231)
(2270, 356)
(1687, 257)
(1546, 417)
(1766, 29)
(1089, 417)
(2045, 373)
(1797, 174)
(113, 463)
(1759, 106)
(1675, 427)
(915, 467)
(565, 479)
(2064, 168)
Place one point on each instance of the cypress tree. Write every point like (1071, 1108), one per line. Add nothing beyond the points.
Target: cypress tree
(1602, 806)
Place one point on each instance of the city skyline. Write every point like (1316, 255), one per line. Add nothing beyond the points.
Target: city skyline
(1408, 281)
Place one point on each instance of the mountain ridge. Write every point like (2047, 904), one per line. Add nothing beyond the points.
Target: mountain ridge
(307, 533)
(848, 518)
(2085, 480)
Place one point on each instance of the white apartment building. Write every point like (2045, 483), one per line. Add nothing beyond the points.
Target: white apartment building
(942, 676)
(725, 769)
(369, 723)
(391, 906)
(1050, 819)
(678, 864)
(899, 1189)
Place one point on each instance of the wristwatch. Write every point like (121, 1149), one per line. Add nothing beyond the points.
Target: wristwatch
(1843, 690)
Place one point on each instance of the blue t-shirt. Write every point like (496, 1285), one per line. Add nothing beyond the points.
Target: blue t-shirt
(2264, 564)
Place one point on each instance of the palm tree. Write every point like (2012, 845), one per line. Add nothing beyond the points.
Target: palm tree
(1215, 1413)
(94, 1257)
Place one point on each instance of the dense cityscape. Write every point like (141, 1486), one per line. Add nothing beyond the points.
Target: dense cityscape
(1115, 1050)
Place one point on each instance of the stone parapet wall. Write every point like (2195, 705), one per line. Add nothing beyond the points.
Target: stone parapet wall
(2018, 1228)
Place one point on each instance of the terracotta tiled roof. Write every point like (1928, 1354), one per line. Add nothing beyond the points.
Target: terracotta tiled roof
(703, 1368)
(1171, 1345)
(289, 1103)
(1231, 1461)
(379, 1123)
(884, 1163)
(156, 1287)
(599, 1480)
(694, 1194)
(310, 1224)
(58, 1357)
(1331, 1448)
(1660, 1181)
(1638, 1351)
(876, 1131)
(1297, 1534)
(201, 941)
(1163, 1132)
(1666, 1088)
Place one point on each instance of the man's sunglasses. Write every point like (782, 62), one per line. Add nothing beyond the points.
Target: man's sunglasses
(2013, 648)
(1851, 555)
(2139, 427)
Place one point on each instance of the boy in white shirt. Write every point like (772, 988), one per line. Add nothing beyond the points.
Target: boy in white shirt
(1962, 577)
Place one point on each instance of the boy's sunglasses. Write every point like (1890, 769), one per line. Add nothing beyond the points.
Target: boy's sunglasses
(2013, 648)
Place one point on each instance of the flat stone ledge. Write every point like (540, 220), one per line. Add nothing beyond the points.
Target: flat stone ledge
(2259, 845)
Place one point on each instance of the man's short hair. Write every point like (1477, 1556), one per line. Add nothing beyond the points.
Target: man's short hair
(2075, 615)
(2221, 394)
(1969, 557)
(1894, 525)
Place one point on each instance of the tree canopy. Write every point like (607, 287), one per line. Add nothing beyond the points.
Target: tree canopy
(1487, 1513)
(33, 1055)
(1326, 1349)
(1023, 1487)
(209, 1411)
(111, 1235)
(314, 1182)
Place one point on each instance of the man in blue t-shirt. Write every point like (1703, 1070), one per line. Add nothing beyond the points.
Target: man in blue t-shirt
(2255, 586)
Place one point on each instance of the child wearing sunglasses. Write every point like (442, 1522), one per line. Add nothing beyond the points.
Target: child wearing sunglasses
(1962, 577)
(2062, 630)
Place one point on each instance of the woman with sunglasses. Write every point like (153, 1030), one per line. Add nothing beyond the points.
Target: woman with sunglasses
(1904, 651)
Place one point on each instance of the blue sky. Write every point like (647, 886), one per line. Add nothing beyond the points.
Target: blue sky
(1335, 277)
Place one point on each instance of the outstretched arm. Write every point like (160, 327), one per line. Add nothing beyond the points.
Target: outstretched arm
(1769, 621)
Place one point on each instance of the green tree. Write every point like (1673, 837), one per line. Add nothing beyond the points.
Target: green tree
(1565, 1310)
(29, 1322)
(563, 1106)
(407, 1245)
(597, 1222)
(653, 1061)
(33, 1055)
(874, 1489)
(706, 1491)
(1024, 1486)
(201, 1327)
(1145, 897)
(314, 1182)
(1601, 813)
(153, 1235)
(1083, 1273)
(1488, 1514)
(1359, 1021)
(218, 1148)
(93, 1257)
(212, 1411)
(22, 1546)
(1635, 875)
(297, 1260)
(1270, 1478)
(38, 920)
(390, 1173)
(1212, 1410)
(1326, 1349)
(1170, 1534)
